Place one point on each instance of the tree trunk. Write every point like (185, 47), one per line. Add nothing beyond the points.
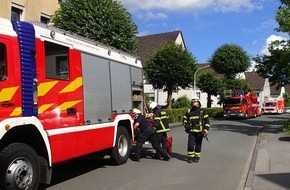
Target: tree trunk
(208, 100)
(169, 99)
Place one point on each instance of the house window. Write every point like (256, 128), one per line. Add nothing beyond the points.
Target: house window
(198, 95)
(44, 18)
(56, 61)
(16, 11)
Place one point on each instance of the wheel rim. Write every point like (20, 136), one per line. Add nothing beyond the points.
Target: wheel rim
(19, 174)
(123, 146)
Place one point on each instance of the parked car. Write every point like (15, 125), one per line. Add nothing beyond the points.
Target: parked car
(287, 110)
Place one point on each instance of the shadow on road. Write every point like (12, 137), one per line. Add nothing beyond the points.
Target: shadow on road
(178, 156)
(286, 139)
(281, 179)
(75, 168)
(253, 126)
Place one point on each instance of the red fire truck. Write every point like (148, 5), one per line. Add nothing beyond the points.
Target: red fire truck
(241, 105)
(273, 106)
(62, 96)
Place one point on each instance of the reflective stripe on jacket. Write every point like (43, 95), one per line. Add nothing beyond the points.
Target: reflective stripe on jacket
(161, 121)
(196, 120)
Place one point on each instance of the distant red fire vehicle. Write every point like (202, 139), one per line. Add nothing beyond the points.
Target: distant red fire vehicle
(240, 105)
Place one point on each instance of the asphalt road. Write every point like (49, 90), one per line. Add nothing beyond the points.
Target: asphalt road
(224, 163)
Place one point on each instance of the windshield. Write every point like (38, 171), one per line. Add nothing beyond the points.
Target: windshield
(233, 102)
(270, 104)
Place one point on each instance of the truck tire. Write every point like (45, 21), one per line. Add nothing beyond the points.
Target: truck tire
(122, 148)
(19, 167)
(255, 114)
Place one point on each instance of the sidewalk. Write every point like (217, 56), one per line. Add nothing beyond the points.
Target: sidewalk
(270, 167)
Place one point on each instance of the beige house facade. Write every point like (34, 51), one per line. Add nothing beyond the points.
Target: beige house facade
(28, 10)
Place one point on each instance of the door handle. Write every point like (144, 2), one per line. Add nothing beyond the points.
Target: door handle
(7, 104)
(71, 111)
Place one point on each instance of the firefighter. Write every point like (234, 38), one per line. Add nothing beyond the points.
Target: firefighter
(147, 133)
(160, 122)
(196, 123)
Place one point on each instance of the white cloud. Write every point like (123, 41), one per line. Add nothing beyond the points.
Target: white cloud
(265, 50)
(189, 5)
(151, 15)
(252, 66)
(269, 40)
(143, 33)
(239, 5)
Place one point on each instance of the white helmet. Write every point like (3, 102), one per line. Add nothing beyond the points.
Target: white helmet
(136, 111)
(152, 105)
(196, 99)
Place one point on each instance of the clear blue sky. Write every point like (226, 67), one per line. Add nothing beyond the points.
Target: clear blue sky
(208, 24)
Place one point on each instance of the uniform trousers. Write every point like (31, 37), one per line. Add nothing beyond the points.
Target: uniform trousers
(194, 144)
(162, 138)
(149, 134)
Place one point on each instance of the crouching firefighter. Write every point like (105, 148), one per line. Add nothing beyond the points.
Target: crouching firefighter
(148, 133)
(196, 123)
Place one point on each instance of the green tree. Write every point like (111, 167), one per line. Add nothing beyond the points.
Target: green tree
(238, 84)
(286, 97)
(170, 68)
(105, 21)
(211, 83)
(283, 17)
(275, 66)
(230, 59)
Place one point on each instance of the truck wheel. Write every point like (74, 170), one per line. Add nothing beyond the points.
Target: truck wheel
(19, 167)
(122, 148)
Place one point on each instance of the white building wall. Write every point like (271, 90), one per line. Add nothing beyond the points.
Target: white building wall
(265, 92)
(160, 96)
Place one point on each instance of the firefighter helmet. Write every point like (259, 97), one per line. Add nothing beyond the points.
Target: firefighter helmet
(195, 99)
(136, 111)
(152, 105)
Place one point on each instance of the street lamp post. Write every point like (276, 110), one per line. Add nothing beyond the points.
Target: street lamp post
(194, 82)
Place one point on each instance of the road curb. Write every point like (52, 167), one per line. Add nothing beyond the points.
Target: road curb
(254, 167)
(249, 172)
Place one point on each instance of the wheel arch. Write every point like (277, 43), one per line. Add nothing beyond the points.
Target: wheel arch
(30, 134)
(27, 134)
(127, 125)
(126, 121)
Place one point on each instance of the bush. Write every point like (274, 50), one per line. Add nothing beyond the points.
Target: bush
(286, 99)
(286, 127)
(176, 115)
(215, 112)
(182, 102)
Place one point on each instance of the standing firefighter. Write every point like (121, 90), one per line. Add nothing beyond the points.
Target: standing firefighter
(161, 124)
(196, 123)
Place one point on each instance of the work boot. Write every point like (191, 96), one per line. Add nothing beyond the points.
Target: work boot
(195, 159)
(135, 159)
(156, 156)
(166, 158)
(189, 160)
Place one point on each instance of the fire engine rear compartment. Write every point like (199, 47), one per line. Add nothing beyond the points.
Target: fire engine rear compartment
(106, 83)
